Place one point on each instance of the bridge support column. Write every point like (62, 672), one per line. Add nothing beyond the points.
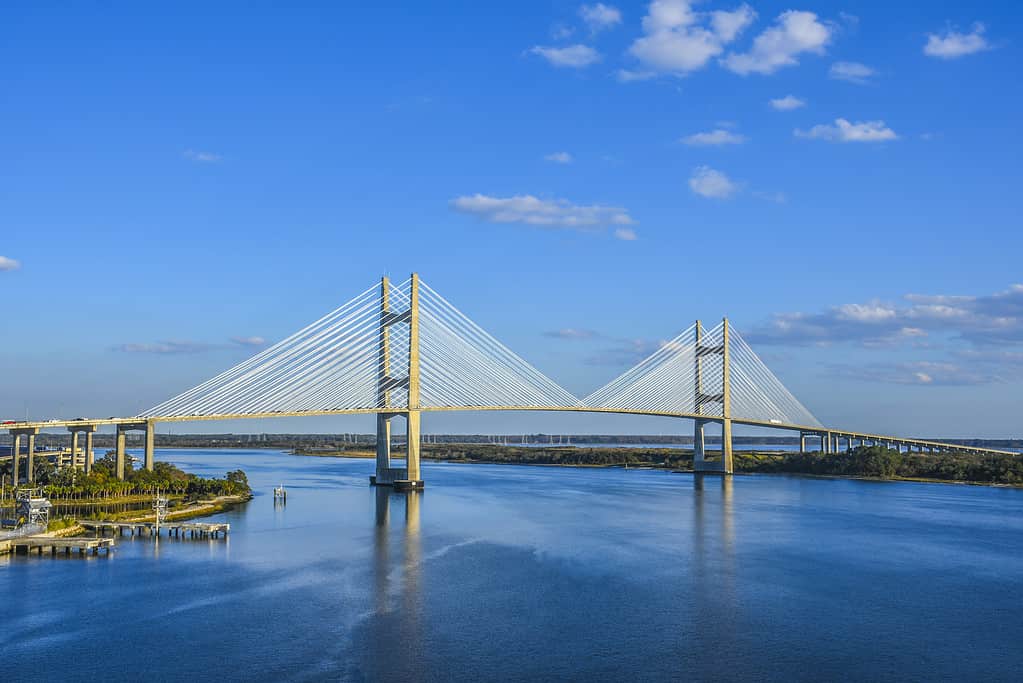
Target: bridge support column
(412, 436)
(88, 451)
(383, 442)
(150, 444)
(74, 447)
(119, 448)
(15, 457)
(726, 446)
(699, 444)
(30, 475)
(802, 442)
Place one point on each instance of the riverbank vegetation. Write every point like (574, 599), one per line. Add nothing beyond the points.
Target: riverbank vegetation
(102, 484)
(886, 463)
(865, 461)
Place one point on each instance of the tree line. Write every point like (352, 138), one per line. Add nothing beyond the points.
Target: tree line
(886, 463)
(70, 483)
(864, 461)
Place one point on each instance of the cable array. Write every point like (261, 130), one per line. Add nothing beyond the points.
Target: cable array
(357, 358)
(331, 364)
(757, 393)
(687, 377)
(666, 381)
(463, 365)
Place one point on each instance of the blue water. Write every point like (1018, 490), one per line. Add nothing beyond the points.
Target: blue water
(525, 573)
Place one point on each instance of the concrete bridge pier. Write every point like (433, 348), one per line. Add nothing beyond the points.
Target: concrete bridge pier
(87, 456)
(149, 427)
(700, 463)
(410, 476)
(699, 444)
(30, 437)
(15, 457)
(89, 453)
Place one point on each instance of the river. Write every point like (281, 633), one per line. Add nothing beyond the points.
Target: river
(503, 572)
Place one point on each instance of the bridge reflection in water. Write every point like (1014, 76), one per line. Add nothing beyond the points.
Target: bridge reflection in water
(398, 593)
(713, 567)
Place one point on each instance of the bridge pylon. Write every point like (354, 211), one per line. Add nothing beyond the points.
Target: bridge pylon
(410, 476)
(702, 398)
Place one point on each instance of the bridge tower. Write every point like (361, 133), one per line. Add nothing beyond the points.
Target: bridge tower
(409, 476)
(700, 463)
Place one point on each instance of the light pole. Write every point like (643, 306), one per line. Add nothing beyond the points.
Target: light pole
(160, 508)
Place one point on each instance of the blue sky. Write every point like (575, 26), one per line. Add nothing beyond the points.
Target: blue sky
(181, 180)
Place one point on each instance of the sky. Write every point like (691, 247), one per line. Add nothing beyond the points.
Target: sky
(184, 183)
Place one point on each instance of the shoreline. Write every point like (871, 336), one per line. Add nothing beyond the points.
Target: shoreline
(199, 508)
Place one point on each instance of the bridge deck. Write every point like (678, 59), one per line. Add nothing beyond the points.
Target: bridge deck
(807, 429)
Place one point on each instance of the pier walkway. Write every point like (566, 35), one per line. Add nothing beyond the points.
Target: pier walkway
(83, 545)
(177, 529)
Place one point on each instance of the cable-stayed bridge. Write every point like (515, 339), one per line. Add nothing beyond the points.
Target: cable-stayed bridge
(402, 349)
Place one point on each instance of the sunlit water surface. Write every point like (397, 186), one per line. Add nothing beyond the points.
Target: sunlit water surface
(525, 573)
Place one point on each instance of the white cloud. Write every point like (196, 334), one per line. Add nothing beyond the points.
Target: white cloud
(559, 158)
(713, 138)
(712, 184)
(573, 56)
(203, 157)
(678, 40)
(249, 341)
(792, 34)
(991, 320)
(776, 197)
(854, 72)
(571, 333)
(9, 264)
(168, 347)
(628, 76)
(530, 210)
(626, 234)
(562, 32)
(953, 44)
(600, 16)
(185, 347)
(787, 103)
(920, 373)
(729, 25)
(844, 131)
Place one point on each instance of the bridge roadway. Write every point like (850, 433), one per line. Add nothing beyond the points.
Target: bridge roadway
(830, 439)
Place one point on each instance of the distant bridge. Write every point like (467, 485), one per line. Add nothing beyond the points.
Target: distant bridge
(401, 350)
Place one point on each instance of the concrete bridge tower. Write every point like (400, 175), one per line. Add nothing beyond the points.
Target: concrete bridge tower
(409, 476)
(701, 398)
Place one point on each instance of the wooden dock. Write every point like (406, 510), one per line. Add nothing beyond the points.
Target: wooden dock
(175, 529)
(83, 545)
